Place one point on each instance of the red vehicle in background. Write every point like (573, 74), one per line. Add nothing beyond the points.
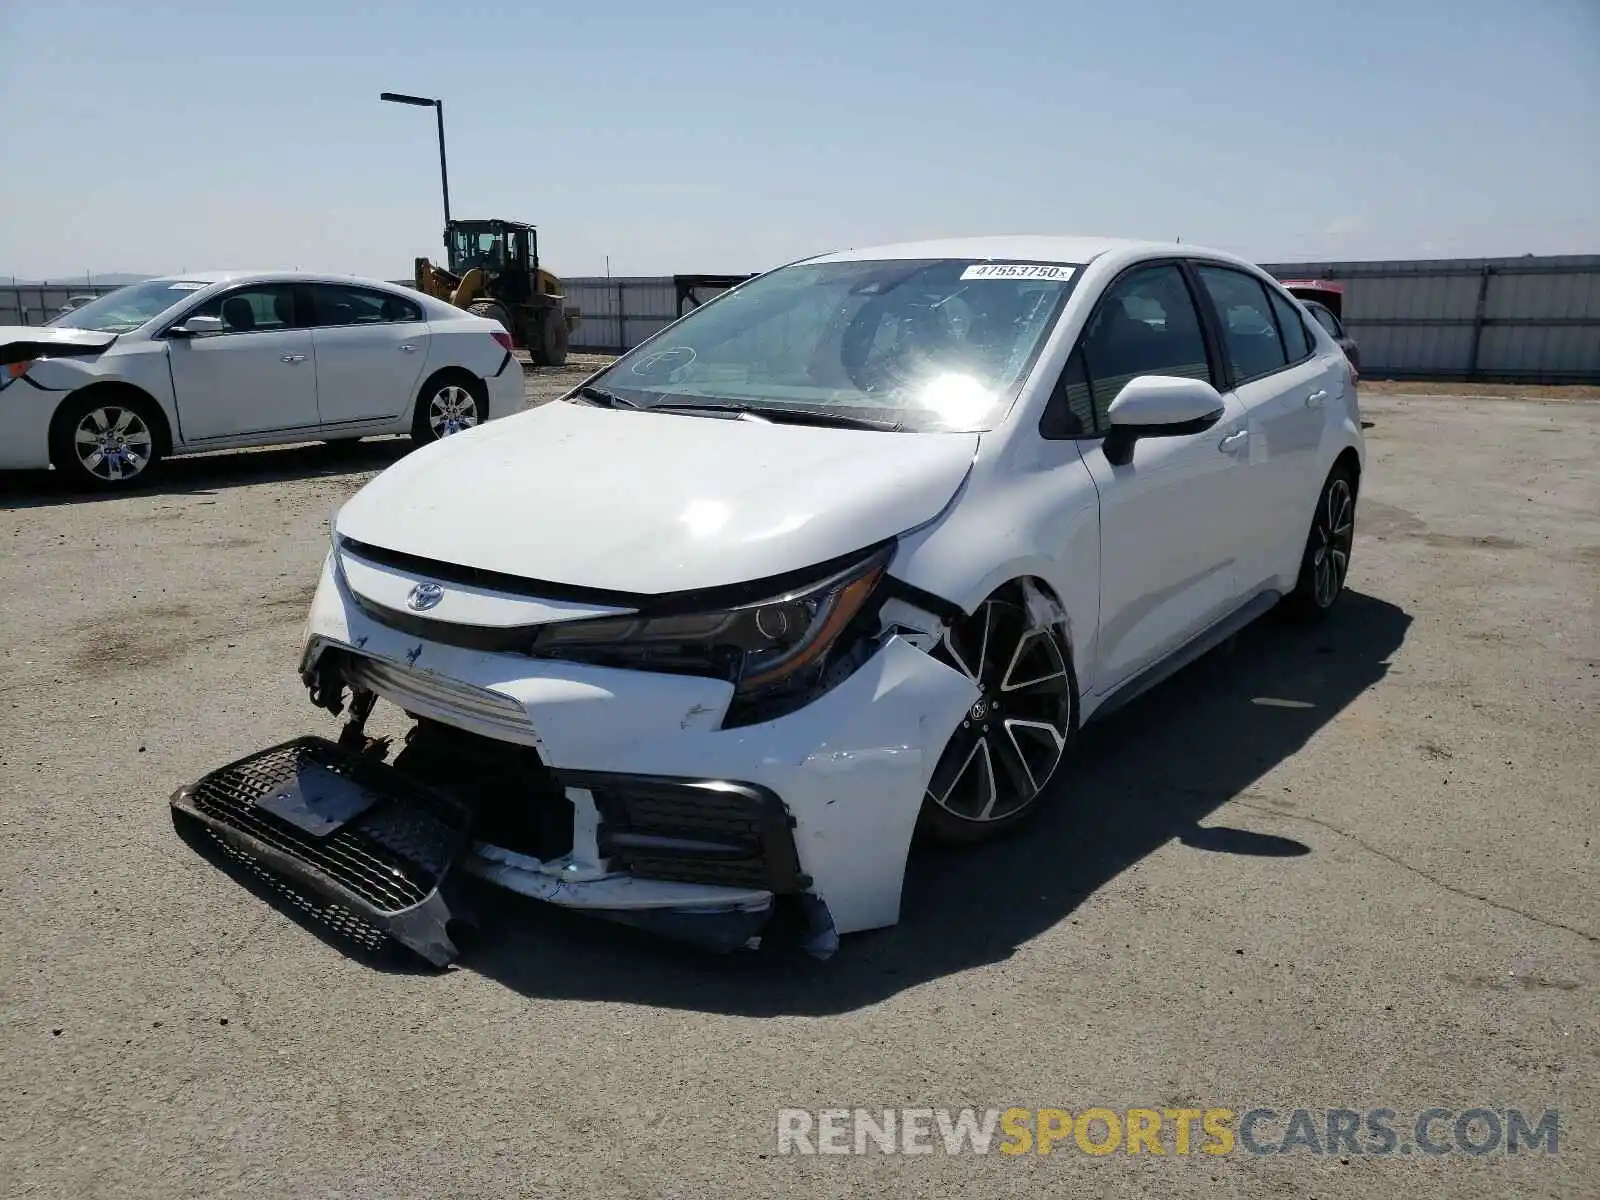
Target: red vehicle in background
(1325, 302)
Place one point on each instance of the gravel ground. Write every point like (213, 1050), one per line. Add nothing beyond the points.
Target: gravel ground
(1348, 867)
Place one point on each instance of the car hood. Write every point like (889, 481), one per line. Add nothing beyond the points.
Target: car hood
(21, 342)
(651, 503)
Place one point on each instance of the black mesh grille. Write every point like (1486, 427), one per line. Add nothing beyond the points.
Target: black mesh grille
(735, 835)
(335, 918)
(392, 856)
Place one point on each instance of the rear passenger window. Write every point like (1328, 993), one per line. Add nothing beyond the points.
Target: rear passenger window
(337, 305)
(1296, 342)
(1249, 331)
(1327, 320)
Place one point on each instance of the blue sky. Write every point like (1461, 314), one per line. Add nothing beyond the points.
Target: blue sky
(728, 137)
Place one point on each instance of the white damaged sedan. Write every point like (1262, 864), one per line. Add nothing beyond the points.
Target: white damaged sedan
(218, 360)
(853, 550)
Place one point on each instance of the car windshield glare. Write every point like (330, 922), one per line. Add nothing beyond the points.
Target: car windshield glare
(918, 344)
(129, 307)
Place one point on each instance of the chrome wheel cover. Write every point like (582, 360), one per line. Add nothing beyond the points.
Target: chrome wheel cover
(451, 410)
(112, 443)
(1332, 536)
(1011, 740)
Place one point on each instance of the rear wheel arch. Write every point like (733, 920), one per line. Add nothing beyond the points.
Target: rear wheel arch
(1351, 462)
(443, 377)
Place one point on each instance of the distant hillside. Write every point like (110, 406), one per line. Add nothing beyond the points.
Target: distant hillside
(111, 279)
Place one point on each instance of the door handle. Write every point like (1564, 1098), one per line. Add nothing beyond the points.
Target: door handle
(1316, 398)
(294, 358)
(1233, 441)
(408, 348)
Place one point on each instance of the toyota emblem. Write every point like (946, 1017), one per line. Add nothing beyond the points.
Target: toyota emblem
(424, 596)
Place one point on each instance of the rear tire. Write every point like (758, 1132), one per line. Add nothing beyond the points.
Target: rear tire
(107, 439)
(1325, 565)
(552, 338)
(450, 402)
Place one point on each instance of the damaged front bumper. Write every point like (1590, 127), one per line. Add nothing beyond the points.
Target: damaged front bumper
(676, 823)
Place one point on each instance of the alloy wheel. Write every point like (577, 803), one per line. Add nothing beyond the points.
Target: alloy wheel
(112, 443)
(1332, 536)
(1011, 740)
(451, 410)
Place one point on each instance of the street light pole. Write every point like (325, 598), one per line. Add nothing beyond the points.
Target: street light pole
(444, 172)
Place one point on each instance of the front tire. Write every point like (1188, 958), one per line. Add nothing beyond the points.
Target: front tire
(998, 762)
(1325, 565)
(106, 440)
(451, 402)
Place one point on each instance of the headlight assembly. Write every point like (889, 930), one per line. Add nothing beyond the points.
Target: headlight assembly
(763, 647)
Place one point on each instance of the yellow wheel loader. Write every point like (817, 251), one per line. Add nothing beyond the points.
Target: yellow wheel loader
(494, 272)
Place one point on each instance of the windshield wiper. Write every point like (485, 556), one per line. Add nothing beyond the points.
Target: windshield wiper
(787, 416)
(604, 398)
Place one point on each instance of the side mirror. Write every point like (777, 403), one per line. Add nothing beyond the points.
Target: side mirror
(1158, 406)
(197, 327)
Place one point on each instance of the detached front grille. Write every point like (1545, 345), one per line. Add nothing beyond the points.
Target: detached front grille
(382, 866)
(695, 831)
(425, 694)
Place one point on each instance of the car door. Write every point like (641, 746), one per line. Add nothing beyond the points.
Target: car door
(1285, 385)
(371, 347)
(1169, 530)
(255, 375)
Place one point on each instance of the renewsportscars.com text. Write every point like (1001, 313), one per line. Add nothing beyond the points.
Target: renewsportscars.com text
(1179, 1132)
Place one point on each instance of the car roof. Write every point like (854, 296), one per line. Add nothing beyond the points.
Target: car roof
(1023, 248)
(212, 277)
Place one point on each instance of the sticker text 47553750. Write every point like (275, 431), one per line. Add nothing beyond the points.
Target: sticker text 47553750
(1018, 271)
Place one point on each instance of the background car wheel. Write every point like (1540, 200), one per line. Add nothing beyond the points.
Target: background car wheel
(106, 439)
(451, 401)
(995, 768)
(1326, 562)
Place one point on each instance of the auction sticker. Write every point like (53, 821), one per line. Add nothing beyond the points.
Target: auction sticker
(1018, 271)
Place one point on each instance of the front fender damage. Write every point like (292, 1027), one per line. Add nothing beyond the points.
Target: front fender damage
(796, 828)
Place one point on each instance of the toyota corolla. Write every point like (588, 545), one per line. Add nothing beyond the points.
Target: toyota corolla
(850, 553)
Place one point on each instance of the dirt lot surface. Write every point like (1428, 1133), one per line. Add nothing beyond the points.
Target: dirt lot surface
(1487, 391)
(1347, 867)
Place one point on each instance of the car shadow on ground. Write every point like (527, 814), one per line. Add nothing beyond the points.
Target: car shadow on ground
(1146, 776)
(207, 474)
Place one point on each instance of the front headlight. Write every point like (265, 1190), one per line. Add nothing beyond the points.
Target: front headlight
(763, 646)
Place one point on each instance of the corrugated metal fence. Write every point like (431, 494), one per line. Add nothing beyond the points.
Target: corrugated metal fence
(1534, 319)
(1505, 319)
(36, 303)
(620, 313)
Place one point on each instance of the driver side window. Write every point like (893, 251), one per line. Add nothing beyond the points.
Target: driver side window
(1145, 324)
(262, 308)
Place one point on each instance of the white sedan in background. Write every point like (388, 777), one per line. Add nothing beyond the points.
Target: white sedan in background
(854, 549)
(211, 361)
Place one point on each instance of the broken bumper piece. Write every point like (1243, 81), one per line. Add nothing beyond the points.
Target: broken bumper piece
(352, 841)
(369, 849)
